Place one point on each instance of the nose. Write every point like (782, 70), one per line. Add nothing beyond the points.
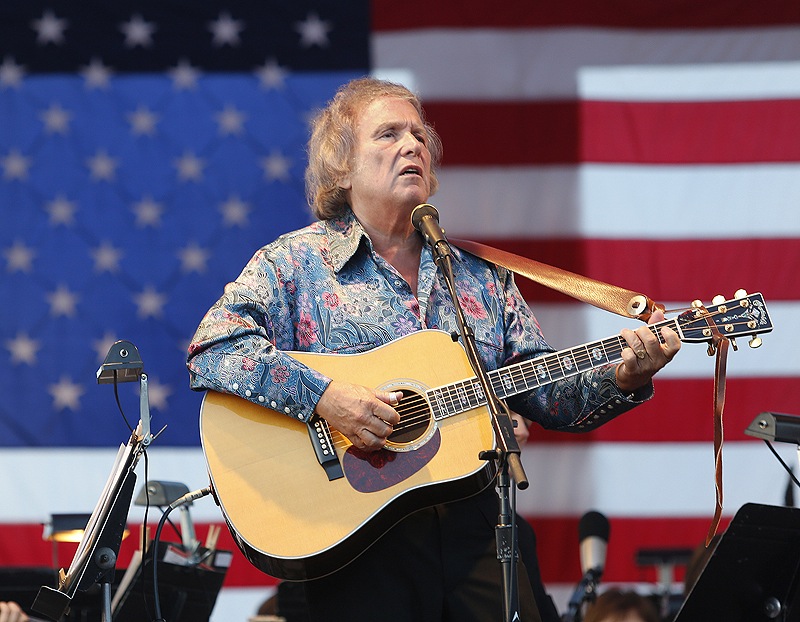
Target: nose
(411, 144)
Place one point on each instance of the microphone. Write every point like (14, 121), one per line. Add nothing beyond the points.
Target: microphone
(425, 218)
(593, 530)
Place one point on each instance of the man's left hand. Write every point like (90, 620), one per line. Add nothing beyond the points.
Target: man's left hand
(645, 354)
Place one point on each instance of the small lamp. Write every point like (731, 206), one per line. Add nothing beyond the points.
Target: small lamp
(122, 364)
(66, 527)
(164, 493)
(775, 427)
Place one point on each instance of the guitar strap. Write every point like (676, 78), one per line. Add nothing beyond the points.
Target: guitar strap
(612, 298)
(627, 303)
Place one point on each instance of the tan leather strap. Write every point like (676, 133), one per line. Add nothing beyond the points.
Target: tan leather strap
(612, 298)
(719, 343)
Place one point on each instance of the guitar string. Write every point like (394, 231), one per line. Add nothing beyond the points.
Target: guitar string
(467, 394)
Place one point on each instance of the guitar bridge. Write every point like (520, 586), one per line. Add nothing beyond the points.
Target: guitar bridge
(322, 441)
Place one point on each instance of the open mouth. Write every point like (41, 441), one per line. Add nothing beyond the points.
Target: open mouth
(411, 170)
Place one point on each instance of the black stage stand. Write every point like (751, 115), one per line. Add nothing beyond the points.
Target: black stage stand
(752, 575)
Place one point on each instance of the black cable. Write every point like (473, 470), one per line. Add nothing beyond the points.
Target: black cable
(188, 497)
(785, 466)
(156, 540)
(119, 404)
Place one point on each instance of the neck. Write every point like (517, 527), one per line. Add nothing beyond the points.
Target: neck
(396, 240)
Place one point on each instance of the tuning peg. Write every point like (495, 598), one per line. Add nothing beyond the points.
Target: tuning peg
(696, 304)
(718, 299)
(733, 344)
(740, 293)
(755, 342)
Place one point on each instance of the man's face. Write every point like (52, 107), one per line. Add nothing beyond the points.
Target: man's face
(391, 163)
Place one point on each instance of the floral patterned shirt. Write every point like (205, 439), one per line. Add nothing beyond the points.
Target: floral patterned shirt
(324, 289)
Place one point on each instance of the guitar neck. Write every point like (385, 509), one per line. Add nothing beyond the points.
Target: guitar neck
(459, 397)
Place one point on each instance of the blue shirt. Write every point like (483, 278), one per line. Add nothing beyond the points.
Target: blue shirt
(324, 289)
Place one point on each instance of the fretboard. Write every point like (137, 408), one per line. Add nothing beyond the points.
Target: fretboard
(452, 399)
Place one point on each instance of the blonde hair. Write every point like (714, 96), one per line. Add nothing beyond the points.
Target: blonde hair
(333, 141)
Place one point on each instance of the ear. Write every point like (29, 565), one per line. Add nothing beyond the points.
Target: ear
(345, 183)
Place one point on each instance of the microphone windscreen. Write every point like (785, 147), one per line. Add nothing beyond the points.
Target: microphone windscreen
(593, 524)
(422, 210)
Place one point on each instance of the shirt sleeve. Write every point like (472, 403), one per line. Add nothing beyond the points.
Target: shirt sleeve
(240, 346)
(575, 404)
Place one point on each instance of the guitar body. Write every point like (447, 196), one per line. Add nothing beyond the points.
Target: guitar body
(286, 515)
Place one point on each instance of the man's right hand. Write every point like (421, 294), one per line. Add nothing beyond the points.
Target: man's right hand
(364, 416)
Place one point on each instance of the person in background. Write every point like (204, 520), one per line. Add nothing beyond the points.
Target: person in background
(615, 605)
(361, 277)
(12, 612)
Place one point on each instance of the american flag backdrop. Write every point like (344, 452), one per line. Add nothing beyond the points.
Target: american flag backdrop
(148, 148)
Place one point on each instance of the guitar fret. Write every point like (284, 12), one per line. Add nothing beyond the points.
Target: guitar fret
(553, 366)
(520, 381)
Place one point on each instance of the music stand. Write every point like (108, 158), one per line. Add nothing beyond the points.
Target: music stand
(752, 575)
(188, 590)
(96, 557)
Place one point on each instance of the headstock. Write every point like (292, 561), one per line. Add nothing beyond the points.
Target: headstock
(744, 314)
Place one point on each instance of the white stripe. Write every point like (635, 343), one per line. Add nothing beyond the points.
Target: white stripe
(54, 481)
(650, 479)
(498, 64)
(566, 326)
(238, 604)
(621, 201)
(625, 479)
(740, 81)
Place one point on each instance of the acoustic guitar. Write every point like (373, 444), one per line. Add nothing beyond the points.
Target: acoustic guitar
(301, 501)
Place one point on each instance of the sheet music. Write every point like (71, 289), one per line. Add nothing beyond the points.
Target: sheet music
(126, 459)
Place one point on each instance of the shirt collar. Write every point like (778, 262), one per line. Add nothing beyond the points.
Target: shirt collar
(344, 237)
(345, 234)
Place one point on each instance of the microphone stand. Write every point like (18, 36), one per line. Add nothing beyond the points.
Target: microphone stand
(585, 592)
(507, 452)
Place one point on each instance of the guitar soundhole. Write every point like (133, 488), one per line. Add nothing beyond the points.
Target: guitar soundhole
(415, 419)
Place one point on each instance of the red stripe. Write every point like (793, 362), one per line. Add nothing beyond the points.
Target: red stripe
(564, 132)
(506, 133)
(674, 270)
(681, 411)
(22, 545)
(388, 16)
(557, 545)
(691, 132)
